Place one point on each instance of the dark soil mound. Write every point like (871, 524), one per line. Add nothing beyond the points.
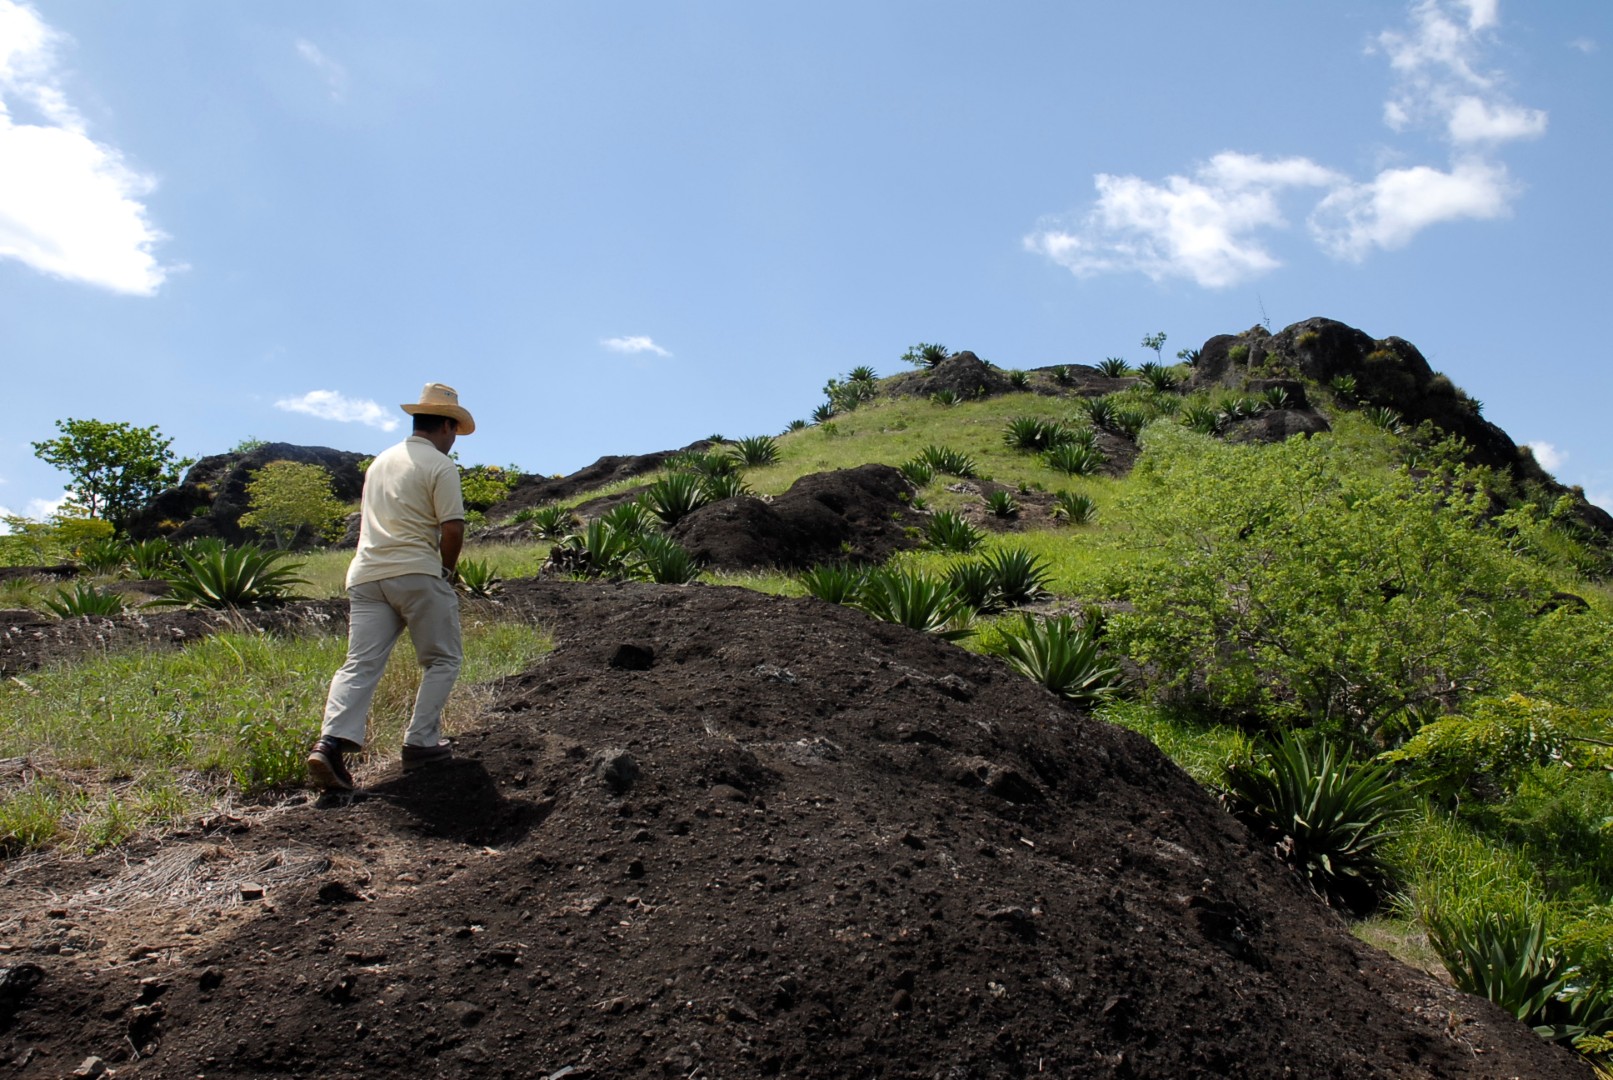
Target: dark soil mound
(860, 514)
(718, 834)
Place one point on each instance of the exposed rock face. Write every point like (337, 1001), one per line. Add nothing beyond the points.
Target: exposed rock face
(856, 513)
(537, 490)
(212, 497)
(1277, 425)
(1389, 372)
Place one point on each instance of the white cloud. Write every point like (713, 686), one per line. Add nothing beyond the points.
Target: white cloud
(1551, 459)
(332, 405)
(1397, 204)
(69, 205)
(633, 345)
(1202, 227)
(1215, 226)
(1584, 44)
(334, 74)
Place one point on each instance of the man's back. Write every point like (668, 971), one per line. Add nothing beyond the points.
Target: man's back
(409, 490)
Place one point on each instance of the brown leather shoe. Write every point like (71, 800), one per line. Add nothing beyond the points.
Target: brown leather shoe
(326, 769)
(415, 757)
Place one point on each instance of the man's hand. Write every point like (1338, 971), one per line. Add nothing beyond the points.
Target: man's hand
(453, 540)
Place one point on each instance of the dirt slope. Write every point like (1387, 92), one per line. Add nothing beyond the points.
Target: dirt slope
(718, 834)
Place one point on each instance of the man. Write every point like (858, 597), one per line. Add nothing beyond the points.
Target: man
(410, 534)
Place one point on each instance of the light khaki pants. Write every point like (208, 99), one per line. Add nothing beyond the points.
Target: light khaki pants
(380, 610)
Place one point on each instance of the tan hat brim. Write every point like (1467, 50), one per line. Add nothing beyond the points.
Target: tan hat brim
(467, 424)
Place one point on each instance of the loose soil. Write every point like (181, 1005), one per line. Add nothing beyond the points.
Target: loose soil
(720, 834)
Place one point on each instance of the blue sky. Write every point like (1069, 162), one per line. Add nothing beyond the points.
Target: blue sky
(620, 227)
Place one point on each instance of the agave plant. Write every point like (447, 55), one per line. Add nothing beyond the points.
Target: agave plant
(1130, 422)
(1344, 386)
(1075, 507)
(152, 559)
(1100, 411)
(926, 355)
(1204, 419)
(757, 450)
(1234, 407)
(630, 518)
(549, 522)
(1385, 419)
(948, 531)
(674, 497)
(823, 413)
(597, 551)
(945, 398)
(861, 373)
(102, 556)
(1018, 379)
(718, 488)
(975, 583)
(917, 601)
(1275, 397)
(1160, 379)
(1002, 504)
(707, 464)
(1075, 459)
(1324, 814)
(664, 561)
(219, 576)
(1060, 655)
(1026, 433)
(1061, 374)
(1021, 577)
(944, 459)
(1190, 357)
(837, 583)
(796, 425)
(478, 578)
(917, 472)
(83, 600)
(1114, 367)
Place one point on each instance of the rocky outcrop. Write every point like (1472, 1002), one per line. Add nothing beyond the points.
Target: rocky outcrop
(536, 490)
(861, 514)
(212, 497)
(964, 374)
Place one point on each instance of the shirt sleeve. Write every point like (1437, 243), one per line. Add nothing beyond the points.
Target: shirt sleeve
(446, 498)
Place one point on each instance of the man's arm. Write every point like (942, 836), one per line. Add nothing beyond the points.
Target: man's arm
(453, 539)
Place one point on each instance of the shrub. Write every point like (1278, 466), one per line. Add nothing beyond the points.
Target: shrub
(83, 600)
(218, 576)
(1019, 380)
(1075, 459)
(1002, 504)
(925, 355)
(757, 450)
(286, 497)
(1114, 367)
(664, 561)
(484, 485)
(836, 583)
(1238, 354)
(916, 601)
(1061, 374)
(946, 460)
(1020, 576)
(1075, 507)
(549, 522)
(1385, 419)
(673, 498)
(1190, 357)
(948, 531)
(1325, 815)
(1058, 654)
(478, 578)
(945, 398)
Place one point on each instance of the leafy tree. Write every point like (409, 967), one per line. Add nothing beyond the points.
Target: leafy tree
(115, 467)
(1157, 343)
(285, 497)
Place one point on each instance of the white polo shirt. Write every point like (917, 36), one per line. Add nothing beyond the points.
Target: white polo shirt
(409, 490)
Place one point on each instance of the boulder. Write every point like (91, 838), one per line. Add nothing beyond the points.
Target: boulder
(964, 373)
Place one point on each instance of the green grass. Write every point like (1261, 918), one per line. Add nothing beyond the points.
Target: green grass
(141, 739)
(1202, 750)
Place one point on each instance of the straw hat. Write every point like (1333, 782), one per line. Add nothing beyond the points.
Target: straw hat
(440, 400)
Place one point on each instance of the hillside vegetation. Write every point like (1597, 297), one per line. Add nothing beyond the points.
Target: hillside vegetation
(1303, 564)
